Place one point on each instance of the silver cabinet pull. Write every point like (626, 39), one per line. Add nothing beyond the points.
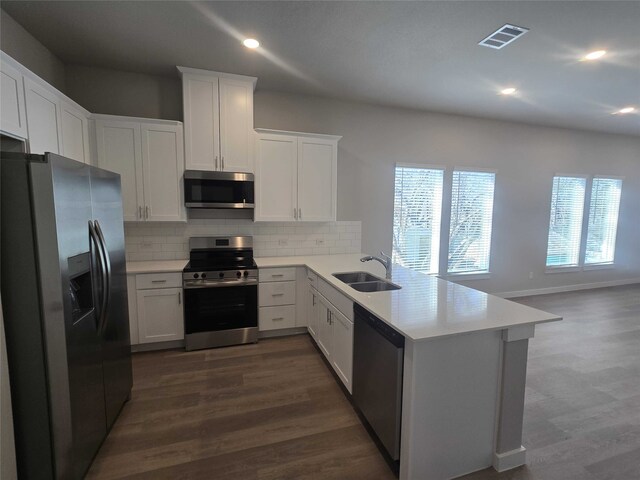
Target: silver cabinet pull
(216, 160)
(158, 281)
(313, 300)
(277, 318)
(179, 298)
(300, 213)
(222, 163)
(147, 212)
(140, 212)
(277, 294)
(295, 213)
(274, 275)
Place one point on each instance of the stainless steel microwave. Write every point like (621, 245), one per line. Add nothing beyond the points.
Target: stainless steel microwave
(218, 189)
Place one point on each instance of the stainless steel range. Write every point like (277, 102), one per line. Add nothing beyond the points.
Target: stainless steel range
(220, 293)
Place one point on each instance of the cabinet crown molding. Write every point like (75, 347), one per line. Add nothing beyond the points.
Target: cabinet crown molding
(270, 131)
(196, 71)
(155, 121)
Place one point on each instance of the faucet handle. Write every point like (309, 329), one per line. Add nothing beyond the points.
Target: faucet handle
(384, 255)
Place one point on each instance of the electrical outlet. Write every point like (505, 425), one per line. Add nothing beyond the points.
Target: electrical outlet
(319, 241)
(145, 245)
(530, 275)
(283, 242)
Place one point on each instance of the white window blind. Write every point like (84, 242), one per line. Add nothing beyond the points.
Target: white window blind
(417, 217)
(471, 218)
(603, 220)
(565, 226)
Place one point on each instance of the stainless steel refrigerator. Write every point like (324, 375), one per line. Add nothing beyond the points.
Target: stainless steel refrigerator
(64, 300)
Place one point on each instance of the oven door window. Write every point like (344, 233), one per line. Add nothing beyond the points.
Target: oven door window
(220, 308)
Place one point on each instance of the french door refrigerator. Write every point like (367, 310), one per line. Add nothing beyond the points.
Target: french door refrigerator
(64, 300)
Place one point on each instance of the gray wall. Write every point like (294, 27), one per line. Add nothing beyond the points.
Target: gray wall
(114, 92)
(525, 156)
(22, 46)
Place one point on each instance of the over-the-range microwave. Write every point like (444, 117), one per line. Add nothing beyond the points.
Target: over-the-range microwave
(204, 189)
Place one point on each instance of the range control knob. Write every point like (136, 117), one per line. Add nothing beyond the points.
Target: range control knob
(204, 275)
(246, 273)
(238, 274)
(221, 274)
(195, 275)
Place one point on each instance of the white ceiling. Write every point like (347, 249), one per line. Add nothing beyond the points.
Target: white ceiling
(421, 55)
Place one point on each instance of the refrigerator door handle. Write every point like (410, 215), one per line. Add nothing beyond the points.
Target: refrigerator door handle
(107, 274)
(101, 273)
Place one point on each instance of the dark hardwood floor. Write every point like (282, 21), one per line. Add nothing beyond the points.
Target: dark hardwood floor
(274, 411)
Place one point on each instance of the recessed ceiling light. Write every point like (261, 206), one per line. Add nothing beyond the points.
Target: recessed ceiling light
(626, 110)
(251, 43)
(508, 91)
(595, 55)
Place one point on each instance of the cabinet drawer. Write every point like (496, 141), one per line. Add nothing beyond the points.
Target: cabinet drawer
(312, 278)
(146, 281)
(340, 301)
(274, 318)
(277, 274)
(276, 293)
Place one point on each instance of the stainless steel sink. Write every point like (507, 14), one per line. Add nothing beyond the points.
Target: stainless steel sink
(377, 286)
(356, 277)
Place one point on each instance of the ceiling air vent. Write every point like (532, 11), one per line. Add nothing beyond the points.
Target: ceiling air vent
(503, 36)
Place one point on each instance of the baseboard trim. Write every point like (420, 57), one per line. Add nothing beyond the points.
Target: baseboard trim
(149, 347)
(508, 460)
(567, 288)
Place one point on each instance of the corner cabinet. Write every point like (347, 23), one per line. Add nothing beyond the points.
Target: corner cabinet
(148, 155)
(218, 120)
(296, 176)
(13, 118)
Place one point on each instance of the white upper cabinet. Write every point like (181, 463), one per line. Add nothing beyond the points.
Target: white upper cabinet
(296, 176)
(317, 179)
(119, 149)
(276, 179)
(218, 120)
(12, 114)
(148, 155)
(43, 118)
(74, 125)
(163, 167)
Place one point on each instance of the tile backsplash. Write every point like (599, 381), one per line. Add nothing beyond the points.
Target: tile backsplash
(170, 241)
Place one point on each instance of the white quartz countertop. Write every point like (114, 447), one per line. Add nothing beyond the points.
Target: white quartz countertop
(426, 307)
(157, 266)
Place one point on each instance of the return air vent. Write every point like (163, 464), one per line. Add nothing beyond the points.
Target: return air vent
(503, 36)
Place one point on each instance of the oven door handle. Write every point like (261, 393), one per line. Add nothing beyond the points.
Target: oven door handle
(190, 284)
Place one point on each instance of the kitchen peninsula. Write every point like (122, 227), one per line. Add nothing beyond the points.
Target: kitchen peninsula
(465, 361)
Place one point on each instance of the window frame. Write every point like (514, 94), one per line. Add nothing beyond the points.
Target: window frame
(584, 231)
(445, 217)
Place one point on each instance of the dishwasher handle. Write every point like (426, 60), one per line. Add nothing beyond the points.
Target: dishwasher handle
(389, 333)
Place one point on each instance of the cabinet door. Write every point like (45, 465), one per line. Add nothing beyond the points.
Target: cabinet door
(317, 164)
(132, 298)
(163, 167)
(43, 119)
(325, 331)
(160, 316)
(236, 125)
(313, 311)
(12, 111)
(201, 122)
(276, 178)
(342, 352)
(119, 150)
(75, 133)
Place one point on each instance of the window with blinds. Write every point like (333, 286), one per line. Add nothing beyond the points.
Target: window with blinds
(471, 218)
(416, 217)
(565, 225)
(603, 220)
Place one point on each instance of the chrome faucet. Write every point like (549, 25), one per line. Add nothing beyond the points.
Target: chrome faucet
(385, 260)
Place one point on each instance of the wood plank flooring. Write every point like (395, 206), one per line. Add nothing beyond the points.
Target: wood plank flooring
(274, 411)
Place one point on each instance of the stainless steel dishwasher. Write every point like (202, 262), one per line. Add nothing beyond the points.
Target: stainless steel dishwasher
(378, 357)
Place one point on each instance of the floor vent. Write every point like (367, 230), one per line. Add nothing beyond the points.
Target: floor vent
(503, 36)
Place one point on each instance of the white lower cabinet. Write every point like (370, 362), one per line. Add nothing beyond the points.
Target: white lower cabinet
(159, 309)
(332, 330)
(276, 299)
